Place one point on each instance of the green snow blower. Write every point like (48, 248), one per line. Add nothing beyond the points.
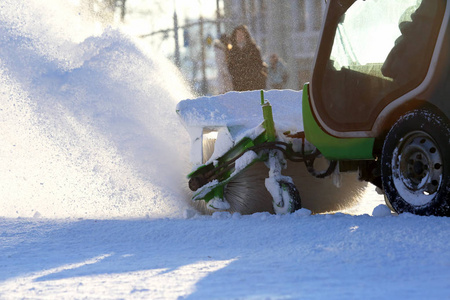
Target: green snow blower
(209, 180)
(376, 111)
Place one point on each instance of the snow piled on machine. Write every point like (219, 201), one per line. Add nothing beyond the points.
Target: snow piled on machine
(235, 115)
(241, 112)
(87, 118)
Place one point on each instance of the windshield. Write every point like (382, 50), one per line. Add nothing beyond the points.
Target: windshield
(372, 52)
(368, 31)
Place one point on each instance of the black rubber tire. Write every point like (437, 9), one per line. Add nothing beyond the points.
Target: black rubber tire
(291, 199)
(415, 164)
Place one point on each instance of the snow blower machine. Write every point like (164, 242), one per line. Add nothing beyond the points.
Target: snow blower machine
(376, 111)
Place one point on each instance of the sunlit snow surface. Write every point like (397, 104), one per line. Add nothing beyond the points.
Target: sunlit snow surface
(92, 191)
(225, 256)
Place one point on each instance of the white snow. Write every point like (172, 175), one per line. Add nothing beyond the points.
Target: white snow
(243, 161)
(223, 143)
(238, 115)
(88, 130)
(241, 112)
(381, 211)
(93, 199)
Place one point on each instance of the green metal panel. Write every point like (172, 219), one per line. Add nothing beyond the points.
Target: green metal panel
(268, 124)
(331, 147)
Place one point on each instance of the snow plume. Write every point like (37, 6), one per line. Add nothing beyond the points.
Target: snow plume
(87, 118)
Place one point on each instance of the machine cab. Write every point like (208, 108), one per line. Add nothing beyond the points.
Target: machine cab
(375, 55)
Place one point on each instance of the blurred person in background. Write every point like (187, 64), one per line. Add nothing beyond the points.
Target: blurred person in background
(247, 69)
(277, 73)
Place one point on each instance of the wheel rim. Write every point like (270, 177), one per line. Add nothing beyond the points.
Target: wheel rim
(417, 168)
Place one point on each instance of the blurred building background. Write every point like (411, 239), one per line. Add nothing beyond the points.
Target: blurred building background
(289, 28)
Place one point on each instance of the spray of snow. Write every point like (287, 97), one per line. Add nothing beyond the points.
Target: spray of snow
(88, 119)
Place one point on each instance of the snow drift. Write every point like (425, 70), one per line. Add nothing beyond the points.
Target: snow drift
(87, 116)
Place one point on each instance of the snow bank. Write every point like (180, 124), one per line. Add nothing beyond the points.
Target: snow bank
(87, 119)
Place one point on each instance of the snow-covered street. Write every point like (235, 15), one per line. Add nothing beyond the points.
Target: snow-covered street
(227, 257)
(94, 202)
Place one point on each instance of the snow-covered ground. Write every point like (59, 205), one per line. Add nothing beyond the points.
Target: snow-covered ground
(93, 200)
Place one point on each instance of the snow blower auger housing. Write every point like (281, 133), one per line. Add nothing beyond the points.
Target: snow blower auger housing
(377, 105)
(209, 180)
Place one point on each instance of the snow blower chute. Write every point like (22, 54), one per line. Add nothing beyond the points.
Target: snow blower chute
(376, 111)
